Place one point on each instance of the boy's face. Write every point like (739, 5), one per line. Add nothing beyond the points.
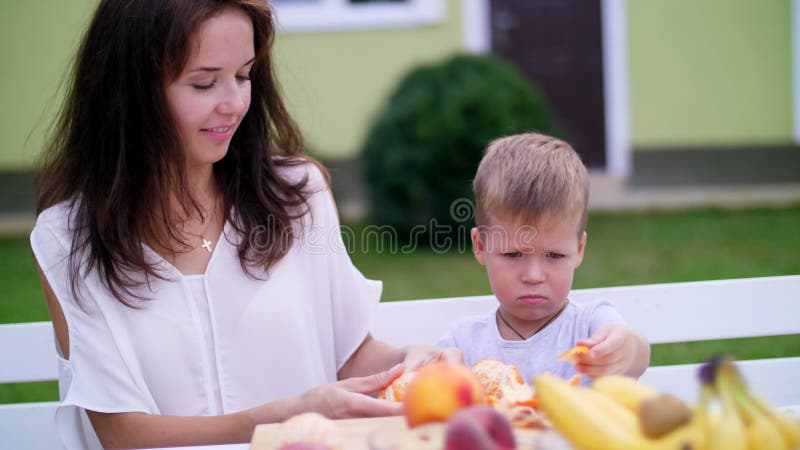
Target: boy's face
(530, 267)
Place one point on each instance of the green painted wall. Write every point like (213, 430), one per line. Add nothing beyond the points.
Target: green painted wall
(37, 40)
(335, 82)
(710, 73)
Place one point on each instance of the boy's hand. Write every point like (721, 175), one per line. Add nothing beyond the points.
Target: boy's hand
(614, 350)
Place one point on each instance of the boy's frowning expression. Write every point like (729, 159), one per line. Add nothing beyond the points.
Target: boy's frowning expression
(530, 267)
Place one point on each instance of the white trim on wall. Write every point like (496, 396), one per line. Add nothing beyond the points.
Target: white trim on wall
(795, 27)
(341, 15)
(476, 31)
(616, 87)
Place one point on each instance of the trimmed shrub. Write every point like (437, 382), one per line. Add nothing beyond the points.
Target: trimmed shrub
(424, 147)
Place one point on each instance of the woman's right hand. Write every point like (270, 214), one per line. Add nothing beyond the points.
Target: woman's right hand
(350, 398)
(342, 399)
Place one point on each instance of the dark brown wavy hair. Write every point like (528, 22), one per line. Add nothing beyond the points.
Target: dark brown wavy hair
(116, 155)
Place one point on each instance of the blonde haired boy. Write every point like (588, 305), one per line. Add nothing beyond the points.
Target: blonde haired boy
(531, 195)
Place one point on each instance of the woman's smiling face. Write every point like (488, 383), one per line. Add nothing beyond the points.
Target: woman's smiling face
(211, 95)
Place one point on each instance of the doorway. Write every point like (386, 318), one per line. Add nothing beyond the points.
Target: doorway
(558, 45)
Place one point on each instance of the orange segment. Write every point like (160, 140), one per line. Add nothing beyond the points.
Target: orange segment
(571, 355)
(396, 391)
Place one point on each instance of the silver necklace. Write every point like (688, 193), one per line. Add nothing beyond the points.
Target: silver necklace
(207, 243)
(503, 319)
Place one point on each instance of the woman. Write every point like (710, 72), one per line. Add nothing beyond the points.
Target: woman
(190, 255)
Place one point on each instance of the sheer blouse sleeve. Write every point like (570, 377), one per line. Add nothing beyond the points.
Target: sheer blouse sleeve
(97, 375)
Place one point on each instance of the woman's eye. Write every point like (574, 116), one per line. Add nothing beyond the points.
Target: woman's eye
(512, 254)
(243, 77)
(204, 87)
(552, 255)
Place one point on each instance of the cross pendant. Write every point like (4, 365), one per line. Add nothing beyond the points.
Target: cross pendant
(207, 245)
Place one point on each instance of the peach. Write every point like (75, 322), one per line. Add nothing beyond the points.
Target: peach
(466, 434)
(479, 427)
(438, 391)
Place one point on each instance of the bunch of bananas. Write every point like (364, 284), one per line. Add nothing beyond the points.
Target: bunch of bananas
(621, 413)
(747, 421)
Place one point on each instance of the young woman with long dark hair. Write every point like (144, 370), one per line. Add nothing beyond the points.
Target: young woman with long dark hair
(189, 252)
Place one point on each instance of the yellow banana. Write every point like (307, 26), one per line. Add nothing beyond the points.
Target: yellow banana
(579, 419)
(730, 433)
(613, 410)
(692, 436)
(788, 427)
(764, 434)
(625, 390)
(582, 420)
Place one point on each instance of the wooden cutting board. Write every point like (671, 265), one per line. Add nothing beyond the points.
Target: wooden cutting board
(356, 432)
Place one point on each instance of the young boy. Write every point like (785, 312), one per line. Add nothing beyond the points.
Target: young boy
(531, 194)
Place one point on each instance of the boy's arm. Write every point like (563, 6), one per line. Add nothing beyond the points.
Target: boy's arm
(614, 349)
(641, 358)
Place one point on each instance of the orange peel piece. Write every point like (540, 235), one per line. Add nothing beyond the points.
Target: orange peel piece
(571, 355)
(396, 391)
(531, 403)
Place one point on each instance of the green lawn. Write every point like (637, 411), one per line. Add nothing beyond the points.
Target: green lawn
(623, 249)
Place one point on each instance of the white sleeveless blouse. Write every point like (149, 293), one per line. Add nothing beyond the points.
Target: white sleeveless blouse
(214, 343)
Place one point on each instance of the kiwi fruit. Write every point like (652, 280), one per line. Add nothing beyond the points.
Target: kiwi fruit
(661, 414)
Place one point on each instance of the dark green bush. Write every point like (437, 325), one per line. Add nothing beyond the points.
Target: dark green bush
(422, 151)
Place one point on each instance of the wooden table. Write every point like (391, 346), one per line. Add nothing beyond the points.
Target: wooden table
(356, 430)
(356, 433)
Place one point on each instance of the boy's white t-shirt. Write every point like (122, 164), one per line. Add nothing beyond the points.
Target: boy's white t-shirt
(478, 338)
(208, 344)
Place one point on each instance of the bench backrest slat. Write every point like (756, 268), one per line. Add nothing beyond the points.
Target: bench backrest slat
(27, 352)
(674, 312)
(29, 426)
(773, 379)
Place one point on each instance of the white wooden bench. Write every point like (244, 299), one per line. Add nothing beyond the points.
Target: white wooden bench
(666, 313)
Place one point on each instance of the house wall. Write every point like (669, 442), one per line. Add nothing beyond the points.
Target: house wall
(37, 41)
(710, 74)
(335, 82)
(702, 74)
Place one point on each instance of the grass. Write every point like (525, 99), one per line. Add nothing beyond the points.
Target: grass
(24, 301)
(623, 249)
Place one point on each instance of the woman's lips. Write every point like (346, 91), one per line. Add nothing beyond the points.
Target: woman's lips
(218, 133)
